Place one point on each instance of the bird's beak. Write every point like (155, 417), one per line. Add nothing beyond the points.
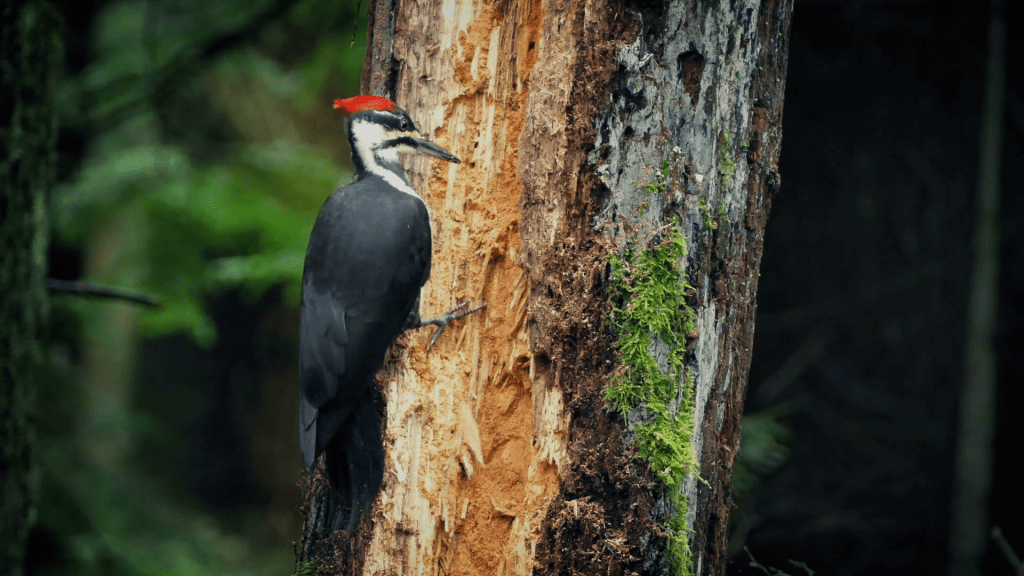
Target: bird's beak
(434, 150)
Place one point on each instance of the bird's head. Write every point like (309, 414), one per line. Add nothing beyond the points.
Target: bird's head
(379, 131)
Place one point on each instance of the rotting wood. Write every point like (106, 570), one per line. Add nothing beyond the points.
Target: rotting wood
(559, 109)
(467, 421)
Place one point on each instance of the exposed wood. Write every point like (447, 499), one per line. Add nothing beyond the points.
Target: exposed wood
(502, 456)
(475, 436)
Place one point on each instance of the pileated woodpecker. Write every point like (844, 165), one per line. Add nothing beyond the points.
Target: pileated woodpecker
(368, 256)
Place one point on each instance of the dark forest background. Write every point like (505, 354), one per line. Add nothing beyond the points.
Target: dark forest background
(197, 143)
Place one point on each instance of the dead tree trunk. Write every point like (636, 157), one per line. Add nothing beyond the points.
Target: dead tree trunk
(586, 129)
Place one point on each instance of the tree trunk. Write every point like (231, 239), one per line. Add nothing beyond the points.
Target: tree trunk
(586, 129)
(972, 474)
(29, 62)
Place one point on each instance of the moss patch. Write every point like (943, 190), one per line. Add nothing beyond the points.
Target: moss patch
(307, 568)
(650, 313)
(660, 182)
(705, 212)
(726, 164)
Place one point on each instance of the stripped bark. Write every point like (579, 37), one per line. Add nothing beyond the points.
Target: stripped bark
(502, 455)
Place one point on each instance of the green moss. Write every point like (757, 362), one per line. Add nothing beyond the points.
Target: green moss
(722, 214)
(706, 213)
(307, 568)
(660, 182)
(726, 164)
(649, 305)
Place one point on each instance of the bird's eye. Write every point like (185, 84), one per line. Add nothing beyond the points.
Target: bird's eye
(404, 125)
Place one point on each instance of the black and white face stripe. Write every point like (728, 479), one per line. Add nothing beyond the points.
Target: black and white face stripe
(371, 154)
(377, 137)
(401, 142)
(396, 120)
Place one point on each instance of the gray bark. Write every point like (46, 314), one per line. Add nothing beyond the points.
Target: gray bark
(503, 456)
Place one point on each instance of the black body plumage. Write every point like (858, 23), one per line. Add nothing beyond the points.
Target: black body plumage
(368, 257)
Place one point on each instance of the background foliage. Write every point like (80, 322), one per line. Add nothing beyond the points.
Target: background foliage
(198, 144)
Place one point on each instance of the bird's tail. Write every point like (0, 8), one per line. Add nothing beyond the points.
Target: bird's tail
(355, 466)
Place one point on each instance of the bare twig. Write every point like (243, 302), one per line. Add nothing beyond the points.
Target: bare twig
(88, 289)
(1008, 551)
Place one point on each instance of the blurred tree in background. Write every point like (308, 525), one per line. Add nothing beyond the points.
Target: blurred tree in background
(30, 62)
(197, 147)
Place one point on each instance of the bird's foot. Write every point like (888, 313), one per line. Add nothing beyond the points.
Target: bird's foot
(444, 319)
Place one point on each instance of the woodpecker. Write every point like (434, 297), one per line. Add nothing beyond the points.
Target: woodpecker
(368, 257)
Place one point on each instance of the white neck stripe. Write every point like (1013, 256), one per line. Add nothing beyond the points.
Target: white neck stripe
(390, 177)
(366, 132)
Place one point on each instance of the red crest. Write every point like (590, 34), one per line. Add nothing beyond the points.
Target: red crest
(367, 102)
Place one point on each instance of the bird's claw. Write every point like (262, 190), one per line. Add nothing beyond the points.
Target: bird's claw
(444, 319)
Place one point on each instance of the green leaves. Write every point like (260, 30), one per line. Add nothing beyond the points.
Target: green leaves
(764, 448)
(215, 188)
(201, 146)
(207, 226)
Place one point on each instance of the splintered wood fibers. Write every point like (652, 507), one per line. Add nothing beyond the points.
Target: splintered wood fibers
(475, 432)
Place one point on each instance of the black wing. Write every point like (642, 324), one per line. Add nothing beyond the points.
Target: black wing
(368, 256)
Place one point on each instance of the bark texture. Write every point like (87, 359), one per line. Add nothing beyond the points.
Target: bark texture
(503, 457)
(29, 62)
